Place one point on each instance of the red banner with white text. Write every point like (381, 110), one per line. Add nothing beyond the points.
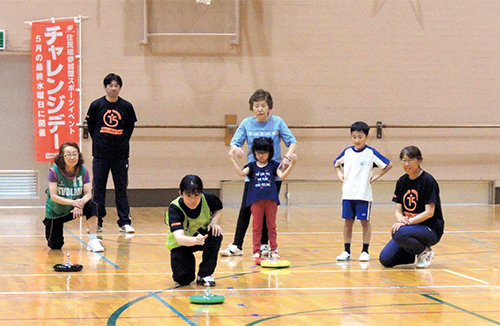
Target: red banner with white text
(54, 59)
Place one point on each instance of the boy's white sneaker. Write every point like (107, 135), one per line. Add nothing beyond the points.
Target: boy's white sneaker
(364, 256)
(231, 250)
(94, 245)
(344, 256)
(127, 228)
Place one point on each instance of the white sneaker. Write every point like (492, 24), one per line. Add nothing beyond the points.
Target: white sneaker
(127, 228)
(424, 258)
(205, 281)
(256, 255)
(264, 250)
(364, 256)
(94, 245)
(344, 256)
(231, 250)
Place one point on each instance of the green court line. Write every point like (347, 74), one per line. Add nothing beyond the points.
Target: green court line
(461, 309)
(114, 316)
(331, 309)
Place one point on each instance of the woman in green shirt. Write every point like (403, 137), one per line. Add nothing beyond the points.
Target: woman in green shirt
(69, 197)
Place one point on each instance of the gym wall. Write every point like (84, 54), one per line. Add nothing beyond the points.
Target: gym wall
(326, 63)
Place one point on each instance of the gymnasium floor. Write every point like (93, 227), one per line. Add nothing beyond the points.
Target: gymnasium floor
(130, 283)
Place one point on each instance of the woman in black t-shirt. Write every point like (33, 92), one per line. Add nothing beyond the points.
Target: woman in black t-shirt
(419, 219)
(193, 220)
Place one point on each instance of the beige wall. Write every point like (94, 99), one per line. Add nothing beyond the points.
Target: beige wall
(326, 62)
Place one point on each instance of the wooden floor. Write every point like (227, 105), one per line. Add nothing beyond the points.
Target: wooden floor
(131, 284)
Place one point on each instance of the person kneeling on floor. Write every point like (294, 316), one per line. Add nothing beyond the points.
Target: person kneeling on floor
(193, 218)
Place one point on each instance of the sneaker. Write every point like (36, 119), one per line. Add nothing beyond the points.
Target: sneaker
(363, 257)
(256, 255)
(275, 254)
(424, 259)
(127, 228)
(231, 250)
(264, 250)
(205, 281)
(94, 245)
(344, 256)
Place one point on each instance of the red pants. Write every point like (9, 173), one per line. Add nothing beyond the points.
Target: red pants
(259, 209)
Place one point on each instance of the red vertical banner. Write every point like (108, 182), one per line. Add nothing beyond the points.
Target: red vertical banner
(54, 58)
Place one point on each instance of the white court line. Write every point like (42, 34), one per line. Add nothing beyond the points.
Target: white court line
(170, 273)
(243, 273)
(467, 277)
(281, 233)
(252, 289)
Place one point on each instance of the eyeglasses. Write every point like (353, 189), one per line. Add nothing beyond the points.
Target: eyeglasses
(70, 155)
(408, 161)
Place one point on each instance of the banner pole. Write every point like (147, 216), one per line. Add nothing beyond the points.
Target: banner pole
(78, 20)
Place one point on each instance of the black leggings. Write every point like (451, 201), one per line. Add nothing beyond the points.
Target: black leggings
(183, 261)
(54, 227)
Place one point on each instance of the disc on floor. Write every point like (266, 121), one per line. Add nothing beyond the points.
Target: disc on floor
(275, 263)
(207, 299)
(68, 267)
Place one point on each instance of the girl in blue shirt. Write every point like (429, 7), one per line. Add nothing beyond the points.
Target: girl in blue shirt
(262, 197)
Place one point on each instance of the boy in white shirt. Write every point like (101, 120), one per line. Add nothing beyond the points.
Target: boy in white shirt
(354, 168)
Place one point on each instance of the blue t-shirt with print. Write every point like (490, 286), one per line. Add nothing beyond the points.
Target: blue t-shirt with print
(262, 182)
(274, 128)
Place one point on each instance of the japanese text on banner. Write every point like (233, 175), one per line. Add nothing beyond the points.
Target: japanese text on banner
(55, 85)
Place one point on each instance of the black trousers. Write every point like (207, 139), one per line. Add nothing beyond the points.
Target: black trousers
(54, 227)
(119, 172)
(244, 220)
(183, 261)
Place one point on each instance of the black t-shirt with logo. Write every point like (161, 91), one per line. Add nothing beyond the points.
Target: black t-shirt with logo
(111, 125)
(176, 215)
(413, 195)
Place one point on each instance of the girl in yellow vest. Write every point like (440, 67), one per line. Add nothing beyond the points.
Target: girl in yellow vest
(193, 218)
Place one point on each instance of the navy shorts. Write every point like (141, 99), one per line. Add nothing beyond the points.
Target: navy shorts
(356, 208)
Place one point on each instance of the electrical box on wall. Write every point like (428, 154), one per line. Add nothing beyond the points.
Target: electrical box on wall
(2, 39)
